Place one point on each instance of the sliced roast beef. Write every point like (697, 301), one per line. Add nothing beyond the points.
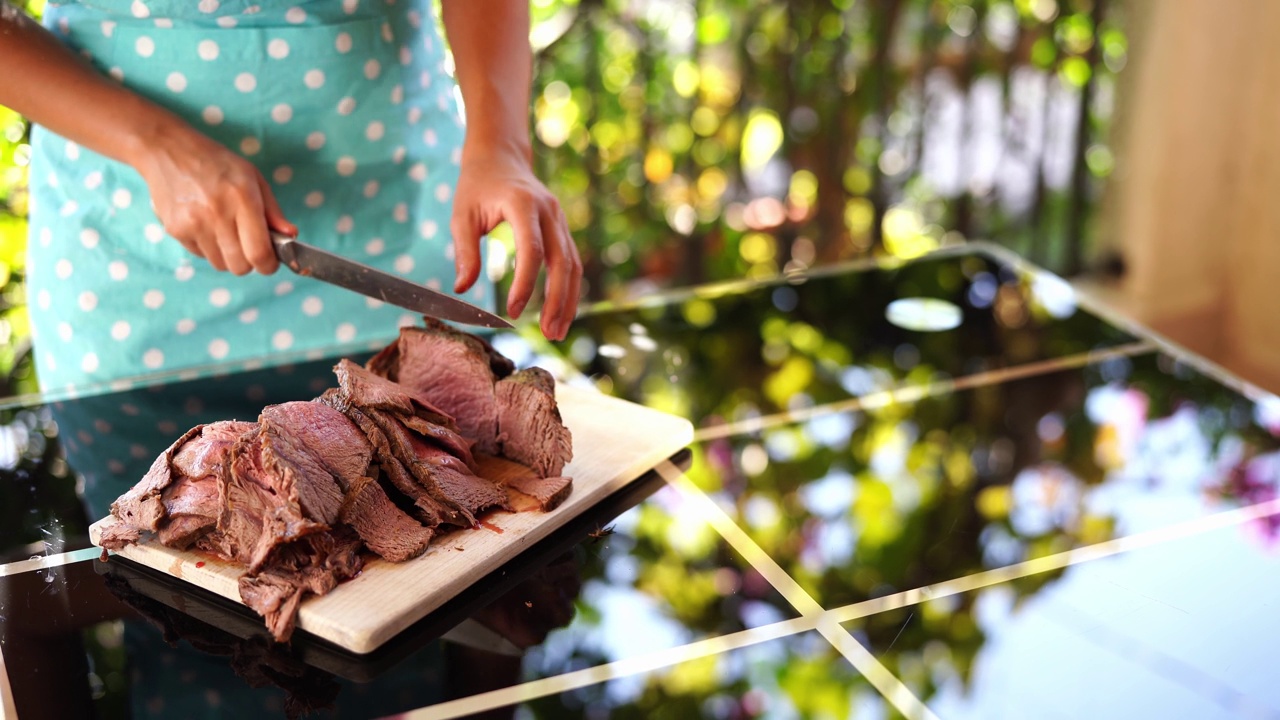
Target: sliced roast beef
(530, 430)
(299, 476)
(141, 508)
(424, 507)
(314, 564)
(192, 506)
(460, 491)
(364, 388)
(549, 492)
(454, 371)
(263, 508)
(383, 527)
(325, 432)
(346, 453)
(205, 455)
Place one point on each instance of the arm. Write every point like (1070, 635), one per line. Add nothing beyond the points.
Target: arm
(490, 41)
(211, 200)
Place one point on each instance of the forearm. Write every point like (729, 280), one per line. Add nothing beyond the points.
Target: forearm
(54, 87)
(490, 42)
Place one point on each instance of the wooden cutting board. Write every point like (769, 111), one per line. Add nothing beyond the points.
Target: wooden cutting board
(614, 442)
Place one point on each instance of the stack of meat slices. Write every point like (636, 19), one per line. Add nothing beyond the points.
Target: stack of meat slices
(384, 462)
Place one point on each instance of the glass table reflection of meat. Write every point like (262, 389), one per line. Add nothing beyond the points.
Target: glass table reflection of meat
(944, 489)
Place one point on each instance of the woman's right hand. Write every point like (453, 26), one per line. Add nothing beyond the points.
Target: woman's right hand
(212, 201)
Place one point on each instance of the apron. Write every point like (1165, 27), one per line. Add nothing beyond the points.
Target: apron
(346, 109)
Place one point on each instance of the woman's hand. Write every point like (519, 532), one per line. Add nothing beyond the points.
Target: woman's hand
(501, 186)
(212, 201)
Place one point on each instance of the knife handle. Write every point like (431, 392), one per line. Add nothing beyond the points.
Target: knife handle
(285, 250)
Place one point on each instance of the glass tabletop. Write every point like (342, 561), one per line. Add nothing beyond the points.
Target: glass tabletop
(890, 508)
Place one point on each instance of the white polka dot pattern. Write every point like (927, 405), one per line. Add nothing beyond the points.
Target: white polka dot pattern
(357, 154)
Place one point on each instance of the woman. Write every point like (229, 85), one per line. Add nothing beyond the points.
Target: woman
(173, 136)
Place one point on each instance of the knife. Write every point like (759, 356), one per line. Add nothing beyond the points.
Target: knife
(311, 261)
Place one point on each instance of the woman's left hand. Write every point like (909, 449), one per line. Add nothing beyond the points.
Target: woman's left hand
(501, 186)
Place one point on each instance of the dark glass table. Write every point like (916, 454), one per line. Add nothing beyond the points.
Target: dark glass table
(944, 488)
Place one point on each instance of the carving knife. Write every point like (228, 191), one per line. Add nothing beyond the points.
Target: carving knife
(311, 261)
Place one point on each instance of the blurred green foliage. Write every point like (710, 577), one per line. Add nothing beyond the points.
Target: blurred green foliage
(713, 139)
(17, 374)
(699, 140)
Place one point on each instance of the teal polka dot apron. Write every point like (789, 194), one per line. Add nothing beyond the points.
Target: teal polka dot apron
(345, 107)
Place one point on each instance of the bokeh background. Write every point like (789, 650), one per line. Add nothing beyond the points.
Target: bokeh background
(703, 140)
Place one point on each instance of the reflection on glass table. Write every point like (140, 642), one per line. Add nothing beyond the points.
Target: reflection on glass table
(799, 676)
(1183, 629)
(856, 505)
(725, 353)
(1063, 448)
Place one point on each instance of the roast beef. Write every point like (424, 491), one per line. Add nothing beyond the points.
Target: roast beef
(454, 371)
(461, 492)
(375, 463)
(424, 507)
(336, 442)
(547, 492)
(383, 527)
(141, 507)
(530, 430)
(192, 507)
(314, 564)
(346, 452)
(193, 501)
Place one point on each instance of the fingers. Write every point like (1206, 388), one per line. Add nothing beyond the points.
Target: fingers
(575, 279)
(275, 216)
(232, 252)
(255, 242)
(210, 250)
(529, 253)
(557, 287)
(466, 250)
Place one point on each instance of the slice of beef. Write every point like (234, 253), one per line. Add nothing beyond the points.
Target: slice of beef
(463, 492)
(530, 430)
(325, 432)
(193, 502)
(398, 480)
(263, 508)
(453, 370)
(383, 527)
(192, 507)
(141, 507)
(204, 456)
(387, 362)
(456, 445)
(548, 492)
(299, 476)
(314, 564)
(346, 453)
(364, 388)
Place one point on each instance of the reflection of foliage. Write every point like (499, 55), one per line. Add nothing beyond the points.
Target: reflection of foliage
(901, 496)
(16, 372)
(781, 346)
(668, 560)
(801, 676)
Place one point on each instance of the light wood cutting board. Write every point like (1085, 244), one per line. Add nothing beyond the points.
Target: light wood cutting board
(614, 442)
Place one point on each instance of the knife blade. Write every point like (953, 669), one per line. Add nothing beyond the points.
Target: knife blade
(310, 261)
